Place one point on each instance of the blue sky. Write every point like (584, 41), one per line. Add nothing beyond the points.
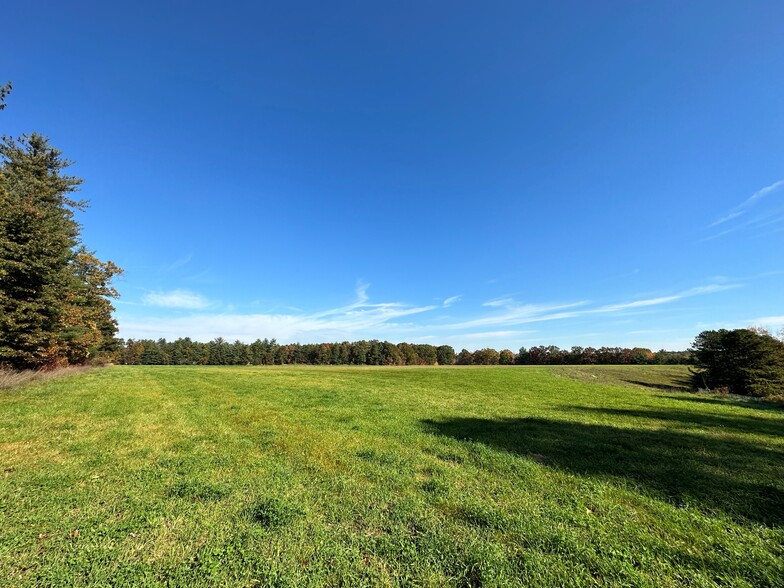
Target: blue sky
(479, 174)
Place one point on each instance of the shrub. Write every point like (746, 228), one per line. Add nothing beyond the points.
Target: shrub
(742, 360)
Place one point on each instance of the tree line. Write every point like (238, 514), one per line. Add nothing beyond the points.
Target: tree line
(185, 351)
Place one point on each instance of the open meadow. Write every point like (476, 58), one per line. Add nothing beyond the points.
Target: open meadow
(442, 476)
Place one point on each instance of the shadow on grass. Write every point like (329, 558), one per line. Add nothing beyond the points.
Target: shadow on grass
(676, 385)
(716, 475)
(754, 425)
(743, 402)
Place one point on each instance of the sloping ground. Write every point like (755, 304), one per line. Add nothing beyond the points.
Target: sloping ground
(659, 377)
(385, 477)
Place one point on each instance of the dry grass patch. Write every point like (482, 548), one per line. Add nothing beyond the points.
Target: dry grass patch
(10, 379)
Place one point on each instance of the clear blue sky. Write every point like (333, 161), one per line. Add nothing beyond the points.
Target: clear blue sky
(479, 174)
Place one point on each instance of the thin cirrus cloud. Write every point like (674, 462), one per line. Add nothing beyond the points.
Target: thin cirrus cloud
(772, 323)
(743, 208)
(768, 321)
(450, 301)
(709, 289)
(514, 313)
(495, 335)
(356, 320)
(363, 319)
(176, 299)
(178, 263)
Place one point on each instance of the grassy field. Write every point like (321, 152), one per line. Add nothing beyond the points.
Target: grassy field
(306, 476)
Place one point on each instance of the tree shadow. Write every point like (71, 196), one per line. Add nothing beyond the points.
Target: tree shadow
(750, 402)
(754, 425)
(679, 384)
(739, 478)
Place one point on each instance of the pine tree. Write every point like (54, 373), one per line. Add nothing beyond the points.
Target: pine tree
(5, 90)
(741, 360)
(53, 292)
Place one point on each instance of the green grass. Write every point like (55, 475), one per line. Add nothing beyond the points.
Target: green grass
(306, 476)
(661, 377)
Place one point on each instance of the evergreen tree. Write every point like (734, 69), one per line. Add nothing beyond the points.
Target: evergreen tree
(742, 361)
(5, 90)
(151, 353)
(53, 292)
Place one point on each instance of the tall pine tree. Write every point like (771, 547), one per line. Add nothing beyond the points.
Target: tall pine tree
(54, 308)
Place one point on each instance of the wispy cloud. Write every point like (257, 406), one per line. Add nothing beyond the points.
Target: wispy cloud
(451, 300)
(496, 322)
(361, 292)
(726, 218)
(514, 313)
(517, 314)
(758, 222)
(499, 302)
(361, 312)
(760, 194)
(772, 323)
(358, 319)
(709, 289)
(202, 277)
(179, 263)
(768, 321)
(742, 208)
(659, 331)
(495, 335)
(176, 299)
(637, 303)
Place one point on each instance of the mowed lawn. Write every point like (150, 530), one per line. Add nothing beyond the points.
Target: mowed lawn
(444, 476)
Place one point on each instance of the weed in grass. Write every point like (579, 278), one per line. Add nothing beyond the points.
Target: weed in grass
(381, 458)
(480, 515)
(195, 490)
(449, 457)
(275, 512)
(367, 454)
(436, 487)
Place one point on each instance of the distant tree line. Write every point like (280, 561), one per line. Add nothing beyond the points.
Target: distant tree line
(270, 352)
(554, 355)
